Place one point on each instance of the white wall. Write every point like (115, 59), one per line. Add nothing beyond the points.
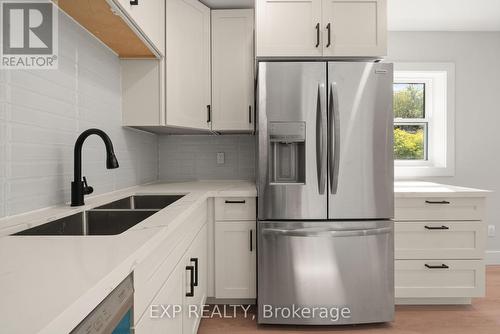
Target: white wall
(194, 157)
(477, 107)
(42, 113)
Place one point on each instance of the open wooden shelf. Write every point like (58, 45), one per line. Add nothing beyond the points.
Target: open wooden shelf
(98, 18)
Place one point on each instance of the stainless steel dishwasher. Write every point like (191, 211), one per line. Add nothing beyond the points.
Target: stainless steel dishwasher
(114, 315)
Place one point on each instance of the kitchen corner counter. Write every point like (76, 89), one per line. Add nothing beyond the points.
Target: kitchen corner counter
(48, 284)
(403, 189)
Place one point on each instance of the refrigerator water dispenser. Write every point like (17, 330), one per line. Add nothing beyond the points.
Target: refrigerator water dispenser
(287, 163)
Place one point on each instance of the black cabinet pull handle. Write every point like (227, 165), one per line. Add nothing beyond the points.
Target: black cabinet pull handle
(191, 281)
(195, 260)
(209, 113)
(442, 227)
(317, 35)
(329, 29)
(251, 240)
(250, 114)
(442, 266)
(437, 202)
(235, 202)
(134, 2)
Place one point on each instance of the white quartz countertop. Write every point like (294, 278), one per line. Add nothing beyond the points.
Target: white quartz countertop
(430, 189)
(48, 284)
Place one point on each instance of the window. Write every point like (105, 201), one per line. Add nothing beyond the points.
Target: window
(410, 122)
(423, 120)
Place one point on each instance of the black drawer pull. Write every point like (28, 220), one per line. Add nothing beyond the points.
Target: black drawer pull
(443, 266)
(195, 260)
(235, 202)
(191, 281)
(134, 2)
(437, 202)
(442, 227)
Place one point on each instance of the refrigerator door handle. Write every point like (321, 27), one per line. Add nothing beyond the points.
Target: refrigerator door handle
(334, 133)
(327, 232)
(321, 143)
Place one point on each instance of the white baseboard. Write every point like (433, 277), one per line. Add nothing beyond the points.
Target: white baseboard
(492, 257)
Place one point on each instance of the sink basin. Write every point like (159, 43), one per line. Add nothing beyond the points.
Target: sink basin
(157, 202)
(109, 219)
(92, 222)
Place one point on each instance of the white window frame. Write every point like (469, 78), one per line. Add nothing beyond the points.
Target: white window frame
(439, 80)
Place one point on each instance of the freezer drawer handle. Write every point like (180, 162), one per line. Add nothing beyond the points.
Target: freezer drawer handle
(437, 202)
(328, 233)
(442, 227)
(235, 202)
(195, 261)
(191, 281)
(443, 266)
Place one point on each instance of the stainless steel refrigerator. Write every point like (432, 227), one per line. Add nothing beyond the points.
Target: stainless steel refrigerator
(325, 192)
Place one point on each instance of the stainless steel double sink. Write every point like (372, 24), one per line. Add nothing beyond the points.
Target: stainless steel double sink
(109, 219)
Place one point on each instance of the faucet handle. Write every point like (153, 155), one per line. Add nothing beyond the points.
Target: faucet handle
(86, 189)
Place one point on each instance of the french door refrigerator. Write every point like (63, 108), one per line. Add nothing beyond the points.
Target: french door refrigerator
(325, 187)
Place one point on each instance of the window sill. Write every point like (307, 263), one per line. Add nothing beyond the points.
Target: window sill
(410, 172)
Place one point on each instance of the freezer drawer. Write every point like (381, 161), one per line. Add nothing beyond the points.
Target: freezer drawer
(323, 265)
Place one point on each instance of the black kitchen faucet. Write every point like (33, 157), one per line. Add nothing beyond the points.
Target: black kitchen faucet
(79, 187)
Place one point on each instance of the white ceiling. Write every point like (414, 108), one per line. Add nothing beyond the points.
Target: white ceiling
(422, 15)
(444, 15)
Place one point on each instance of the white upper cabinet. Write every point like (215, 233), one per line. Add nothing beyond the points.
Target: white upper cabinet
(148, 16)
(187, 64)
(354, 28)
(329, 28)
(232, 70)
(288, 28)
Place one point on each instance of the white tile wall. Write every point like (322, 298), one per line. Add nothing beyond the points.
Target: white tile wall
(194, 157)
(42, 113)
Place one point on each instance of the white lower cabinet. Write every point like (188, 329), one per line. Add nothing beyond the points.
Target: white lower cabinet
(170, 294)
(178, 303)
(235, 259)
(439, 250)
(195, 283)
(439, 278)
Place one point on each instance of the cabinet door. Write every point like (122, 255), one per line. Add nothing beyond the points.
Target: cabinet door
(188, 64)
(358, 28)
(288, 28)
(235, 266)
(196, 257)
(148, 16)
(170, 294)
(232, 70)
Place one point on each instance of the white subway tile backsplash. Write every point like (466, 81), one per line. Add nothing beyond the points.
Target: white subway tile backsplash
(194, 157)
(42, 113)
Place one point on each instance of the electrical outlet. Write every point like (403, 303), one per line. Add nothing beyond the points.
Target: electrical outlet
(220, 158)
(491, 231)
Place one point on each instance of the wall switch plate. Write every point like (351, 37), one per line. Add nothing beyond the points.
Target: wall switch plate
(491, 231)
(220, 158)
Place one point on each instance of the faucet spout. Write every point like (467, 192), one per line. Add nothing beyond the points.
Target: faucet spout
(79, 187)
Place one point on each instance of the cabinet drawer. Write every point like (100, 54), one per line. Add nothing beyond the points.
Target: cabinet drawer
(235, 208)
(440, 240)
(456, 278)
(439, 208)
